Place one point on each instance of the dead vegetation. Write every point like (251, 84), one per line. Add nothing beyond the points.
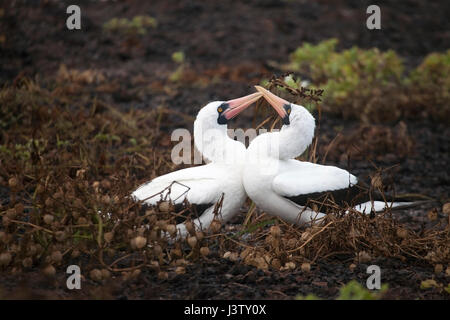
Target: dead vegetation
(68, 163)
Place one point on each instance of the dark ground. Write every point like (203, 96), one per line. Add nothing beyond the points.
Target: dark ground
(235, 42)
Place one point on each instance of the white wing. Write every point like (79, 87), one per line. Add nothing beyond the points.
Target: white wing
(298, 178)
(199, 185)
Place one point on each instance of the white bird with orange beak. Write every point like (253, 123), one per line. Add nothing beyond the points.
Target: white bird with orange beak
(220, 180)
(282, 186)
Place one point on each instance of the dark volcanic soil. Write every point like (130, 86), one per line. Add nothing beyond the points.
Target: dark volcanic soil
(235, 43)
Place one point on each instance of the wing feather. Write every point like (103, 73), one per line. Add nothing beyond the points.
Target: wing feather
(198, 185)
(301, 178)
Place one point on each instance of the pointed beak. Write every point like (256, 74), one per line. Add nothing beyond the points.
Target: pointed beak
(276, 102)
(238, 105)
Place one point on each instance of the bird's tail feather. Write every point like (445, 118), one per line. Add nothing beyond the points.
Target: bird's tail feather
(380, 206)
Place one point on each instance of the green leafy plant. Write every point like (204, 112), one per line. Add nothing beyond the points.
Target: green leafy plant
(138, 25)
(354, 80)
(178, 74)
(352, 291)
(371, 85)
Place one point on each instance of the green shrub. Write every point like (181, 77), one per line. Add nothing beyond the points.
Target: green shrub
(355, 81)
(136, 26)
(352, 291)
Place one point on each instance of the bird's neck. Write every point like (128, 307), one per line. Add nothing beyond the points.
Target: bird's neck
(290, 142)
(295, 139)
(216, 146)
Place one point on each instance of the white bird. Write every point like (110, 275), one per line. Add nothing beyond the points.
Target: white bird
(285, 187)
(220, 180)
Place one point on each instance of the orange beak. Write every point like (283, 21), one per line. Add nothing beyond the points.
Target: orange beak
(280, 105)
(238, 105)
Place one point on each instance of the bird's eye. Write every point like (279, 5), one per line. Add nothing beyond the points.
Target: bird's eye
(219, 109)
(288, 111)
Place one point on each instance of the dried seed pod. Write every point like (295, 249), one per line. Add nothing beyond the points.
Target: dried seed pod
(105, 273)
(306, 267)
(190, 227)
(157, 250)
(75, 253)
(32, 250)
(58, 195)
(27, 262)
(80, 173)
(192, 241)
(106, 184)
(364, 257)
(141, 231)
(176, 252)
(60, 236)
(438, 268)
(82, 220)
(171, 229)
(96, 185)
(49, 271)
(108, 236)
(276, 264)
(275, 231)
(290, 265)
(204, 251)
(19, 208)
(40, 189)
(135, 273)
(11, 213)
(180, 270)
(199, 235)
(433, 214)
(13, 183)
(106, 199)
(161, 224)
(56, 256)
(5, 258)
(96, 275)
(446, 208)
(154, 265)
(215, 226)
(232, 256)
(140, 242)
(49, 202)
(164, 206)
(402, 233)
(153, 235)
(6, 221)
(180, 262)
(48, 219)
(162, 275)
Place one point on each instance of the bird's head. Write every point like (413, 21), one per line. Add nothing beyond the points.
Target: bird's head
(219, 112)
(290, 113)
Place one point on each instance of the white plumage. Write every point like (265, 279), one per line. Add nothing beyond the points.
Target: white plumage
(207, 184)
(280, 185)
